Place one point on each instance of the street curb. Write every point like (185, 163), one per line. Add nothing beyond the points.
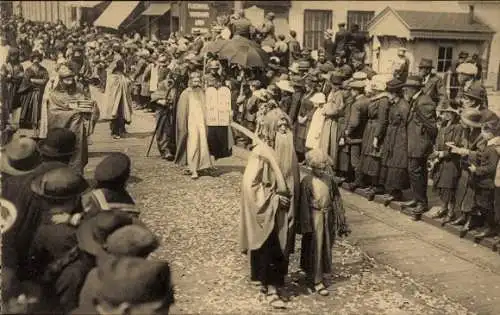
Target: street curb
(490, 243)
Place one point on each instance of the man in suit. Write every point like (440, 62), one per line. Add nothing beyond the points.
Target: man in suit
(433, 84)
(328, 45)
(422, 130)
(450, 79)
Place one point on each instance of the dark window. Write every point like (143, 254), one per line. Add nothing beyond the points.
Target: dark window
(445, 58)
(362, 18)
(316, 22)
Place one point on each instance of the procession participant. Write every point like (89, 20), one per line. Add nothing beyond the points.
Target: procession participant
(471, 141)
(483, 167)
(130, 285)
(218, 117)
(433, 84)
(298, 85)
(166, 98)
(358, 64)
(145, 78)
(342, 37)
(112, 233)
(136, 76)
(394, 152)
(157, 72)
(329, 45)
(497, 190)
(304, 117)
(280, 50)
(54, 262)
(11, 76)
(287, 91)
(65, 112)
(191, 135)
(374, 135)
(110, 192)
(270, 189)
(118, 101)
(321, 218)
(31, 93)
(356, 116)
(250, 108)
(313, 138)
(293, 48)
(80, 66)
(421, 131)
(446, 172)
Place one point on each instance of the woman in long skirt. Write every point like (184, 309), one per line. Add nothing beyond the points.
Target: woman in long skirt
(31, 93)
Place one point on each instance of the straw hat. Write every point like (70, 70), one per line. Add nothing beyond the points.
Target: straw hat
(285, 85)
(467, 68)
(318, 98)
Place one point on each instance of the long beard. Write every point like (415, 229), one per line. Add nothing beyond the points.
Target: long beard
(285, 151)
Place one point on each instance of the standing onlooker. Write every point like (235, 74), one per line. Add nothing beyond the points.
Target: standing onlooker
(342, 37)
(401, 66)
(358, 39)
(329, 45)
(293, 48)
(11, 76)
(433, 84)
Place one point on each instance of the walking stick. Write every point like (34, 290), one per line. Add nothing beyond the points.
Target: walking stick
(153, 137)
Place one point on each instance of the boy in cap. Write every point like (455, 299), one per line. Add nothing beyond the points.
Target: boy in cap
(131, 285)
(110, 192)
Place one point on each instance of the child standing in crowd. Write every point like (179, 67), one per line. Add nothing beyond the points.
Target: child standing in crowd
(313, 139)
(321, 219)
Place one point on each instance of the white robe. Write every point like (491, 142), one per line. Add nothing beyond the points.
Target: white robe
(198, 155)
(313, 140)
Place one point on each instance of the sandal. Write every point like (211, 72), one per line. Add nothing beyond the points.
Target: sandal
(321, 289)
(275, 301)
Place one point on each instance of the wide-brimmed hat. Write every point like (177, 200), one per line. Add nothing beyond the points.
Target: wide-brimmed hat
(19, 157)
(8, 215)
(59, 142)
(467, 68)
(285, 85)
(394, 85)
(425, 63)
(93, 233)
(318, 98)
(476, 92)
(114, 168)
(413, 81)
(131, 240)
(472, 117)
(59, 183)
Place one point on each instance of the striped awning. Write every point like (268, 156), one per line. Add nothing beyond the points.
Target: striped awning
(116, 13)
(157, 9)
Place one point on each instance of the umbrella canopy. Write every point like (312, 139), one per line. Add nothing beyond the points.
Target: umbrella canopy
(214, 47)
(244, 52)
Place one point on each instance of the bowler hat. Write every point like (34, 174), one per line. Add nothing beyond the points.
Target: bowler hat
(93, 232)
(59, 142)
(59, 183)
(476, 92)
(472, 117)
(115, 167)
(425, 63)
(19, 157)
(133, 280)
(413, 81)
(131, 240)
(394, 85)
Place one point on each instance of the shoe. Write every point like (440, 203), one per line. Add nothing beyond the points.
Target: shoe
(409, 204)
(371, 195)
(467, 227)
(449, 218)
(387, 199)
(352, 186)
(442, 212)
(488, 232)
(169, 157)
(420, 209)
(460, 221)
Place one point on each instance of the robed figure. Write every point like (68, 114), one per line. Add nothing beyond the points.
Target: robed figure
(166, 97)
(69, 107)
(191, 129)
(269, 198)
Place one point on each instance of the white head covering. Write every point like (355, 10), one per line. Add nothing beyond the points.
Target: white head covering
(467, 68)
(318, 98)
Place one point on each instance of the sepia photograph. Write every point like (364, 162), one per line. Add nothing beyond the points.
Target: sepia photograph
(250, 157)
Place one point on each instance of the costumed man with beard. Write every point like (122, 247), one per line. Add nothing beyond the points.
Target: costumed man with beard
(165, 98)
(270, 195)
(118, 100)
(69, 107)
(191, 127)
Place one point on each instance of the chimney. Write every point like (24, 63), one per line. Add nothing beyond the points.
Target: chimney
(471, 14)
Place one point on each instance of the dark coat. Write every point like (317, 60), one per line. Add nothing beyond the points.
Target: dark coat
(434, 87)
(376, 127)
(295, 105)
(395, 146)
(359, 39)
(486, 162)
(422, 128)
(357, 117)
(293, 50)
(447, 172)
(329, 47)
(341, 39)
(306, 110)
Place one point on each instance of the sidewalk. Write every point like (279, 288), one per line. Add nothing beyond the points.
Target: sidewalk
(463, 271)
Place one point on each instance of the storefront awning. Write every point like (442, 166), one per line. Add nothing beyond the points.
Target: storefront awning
(83, 4)
(116, 13)
(157, 9)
